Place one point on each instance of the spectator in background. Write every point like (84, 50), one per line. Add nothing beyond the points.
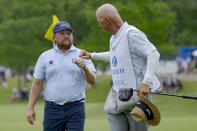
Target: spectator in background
(189, 61)
(28, 75)
(179, 61)
(179, 85)
(171, 83)
(15, 94)
(24, 94)
(193, 63)
(3, 79)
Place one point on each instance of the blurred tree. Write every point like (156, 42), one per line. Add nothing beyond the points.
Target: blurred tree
(21, 33)
(23, 25)
(155, 18)
(186, 22)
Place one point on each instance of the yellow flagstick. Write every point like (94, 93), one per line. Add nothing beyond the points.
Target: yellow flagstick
(49, 33)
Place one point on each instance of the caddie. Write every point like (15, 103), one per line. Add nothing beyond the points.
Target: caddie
(133, 59)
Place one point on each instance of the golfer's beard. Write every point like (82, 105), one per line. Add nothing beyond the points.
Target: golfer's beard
(65, 44)
(64, 47)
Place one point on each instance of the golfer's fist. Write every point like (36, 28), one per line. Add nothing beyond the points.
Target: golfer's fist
(31, 116)
(80, 63)
(144, 89)
(85, 55)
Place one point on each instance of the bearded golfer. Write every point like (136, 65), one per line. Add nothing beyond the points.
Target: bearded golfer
(65, 76)
(133, 60)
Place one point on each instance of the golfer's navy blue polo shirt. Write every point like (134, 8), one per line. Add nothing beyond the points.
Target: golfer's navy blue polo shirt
(64, 80)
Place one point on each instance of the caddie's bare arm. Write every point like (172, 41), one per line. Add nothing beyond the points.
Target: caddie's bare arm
(89, 75)
(34, 95)
(105, 56)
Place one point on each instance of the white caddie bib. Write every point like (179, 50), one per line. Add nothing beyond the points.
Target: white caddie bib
(120, 61)
(123, 75)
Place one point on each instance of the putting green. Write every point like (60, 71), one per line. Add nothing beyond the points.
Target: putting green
(13, 117)
(177, 114)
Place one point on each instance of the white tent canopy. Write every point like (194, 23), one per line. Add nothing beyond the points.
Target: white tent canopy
(194, 53)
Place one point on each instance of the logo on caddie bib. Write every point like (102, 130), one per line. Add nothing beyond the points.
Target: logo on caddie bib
(114, 61)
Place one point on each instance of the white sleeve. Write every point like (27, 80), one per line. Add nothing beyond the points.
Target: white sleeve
(139, 43)
(152, 63)
(101, 56)
(143, 47)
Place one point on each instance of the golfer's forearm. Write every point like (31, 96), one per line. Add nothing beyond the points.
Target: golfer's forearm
(101, 56)
(152, 63)
(34, 95)
(89, 76)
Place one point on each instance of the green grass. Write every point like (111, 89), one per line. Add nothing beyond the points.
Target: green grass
(5, 93)
(177, 114)
(13, 117)
(100, 91)
(96, 94)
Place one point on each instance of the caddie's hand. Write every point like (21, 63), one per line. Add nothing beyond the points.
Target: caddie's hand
(85, 55)
(80, 63)
(31, 116)
(144, 89)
